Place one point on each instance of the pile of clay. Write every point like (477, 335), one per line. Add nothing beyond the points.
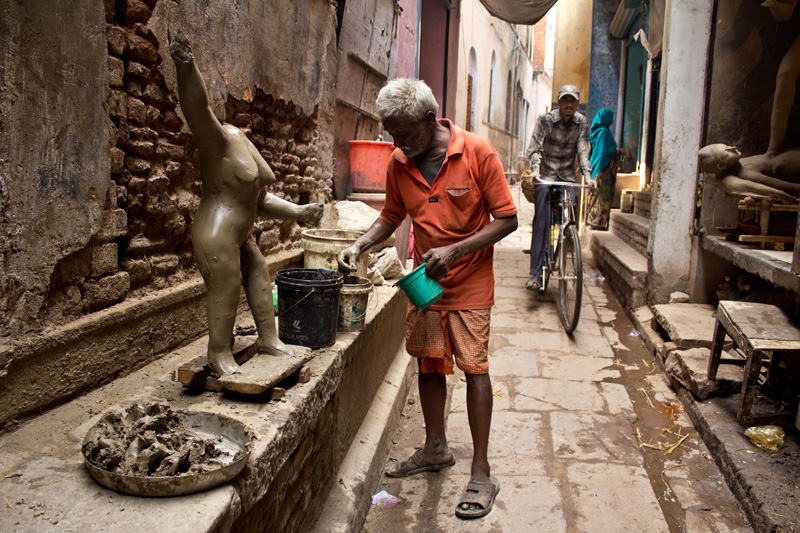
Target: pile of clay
(152, 440)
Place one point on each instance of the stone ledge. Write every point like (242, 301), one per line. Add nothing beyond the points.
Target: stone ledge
(44, 371)
(634, 229)
(625, 268)
(300, 443)
(765, 264)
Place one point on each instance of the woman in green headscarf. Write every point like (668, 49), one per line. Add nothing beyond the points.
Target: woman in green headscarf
(604, 169)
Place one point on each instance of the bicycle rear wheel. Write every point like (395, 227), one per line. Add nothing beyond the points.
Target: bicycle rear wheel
(570, 280)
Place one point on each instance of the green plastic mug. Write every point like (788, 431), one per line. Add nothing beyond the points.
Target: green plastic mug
(420, 288)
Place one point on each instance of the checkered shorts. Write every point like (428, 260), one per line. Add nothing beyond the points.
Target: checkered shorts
(437, 336)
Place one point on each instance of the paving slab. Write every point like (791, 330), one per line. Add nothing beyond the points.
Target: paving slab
(571, 417)
(690, 368)
(687, 325)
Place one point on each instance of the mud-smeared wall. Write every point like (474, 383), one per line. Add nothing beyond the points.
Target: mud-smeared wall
(98, 171)
(54, 150)
(748, 47)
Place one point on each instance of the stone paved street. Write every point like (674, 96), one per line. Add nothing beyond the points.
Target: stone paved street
(586, 435)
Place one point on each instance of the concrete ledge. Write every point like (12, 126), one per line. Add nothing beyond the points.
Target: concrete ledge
(641, 203)
(625, 268)
(301, 443)
(44, 371)
(633, 229)
(765, 264)
(348, 501)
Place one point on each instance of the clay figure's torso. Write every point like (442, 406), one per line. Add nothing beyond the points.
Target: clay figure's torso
(784, 166)
(232, 184)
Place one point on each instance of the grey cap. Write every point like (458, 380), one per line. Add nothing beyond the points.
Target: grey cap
(570, 90)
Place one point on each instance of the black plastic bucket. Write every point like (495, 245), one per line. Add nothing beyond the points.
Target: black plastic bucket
(308, 306)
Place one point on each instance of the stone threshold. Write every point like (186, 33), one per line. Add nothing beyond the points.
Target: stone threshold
(301, 441)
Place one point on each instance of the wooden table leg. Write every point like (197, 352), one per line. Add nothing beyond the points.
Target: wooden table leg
(716, 349)
(751, 372)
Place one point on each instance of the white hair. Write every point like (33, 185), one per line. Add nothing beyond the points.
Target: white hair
(405, 98)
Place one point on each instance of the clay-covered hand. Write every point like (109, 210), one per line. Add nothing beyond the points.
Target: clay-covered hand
(311, 214)
(180, 49)
(591, 183)
(348, 257)
(440, 260)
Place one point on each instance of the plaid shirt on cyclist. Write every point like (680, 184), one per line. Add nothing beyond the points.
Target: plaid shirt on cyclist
(555, 143)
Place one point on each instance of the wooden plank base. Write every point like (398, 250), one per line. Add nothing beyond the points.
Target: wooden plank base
(260, 375)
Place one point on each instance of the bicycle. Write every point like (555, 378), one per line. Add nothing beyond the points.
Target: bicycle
(563, 253)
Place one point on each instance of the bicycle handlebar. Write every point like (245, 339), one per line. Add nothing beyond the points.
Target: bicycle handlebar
(561, 183)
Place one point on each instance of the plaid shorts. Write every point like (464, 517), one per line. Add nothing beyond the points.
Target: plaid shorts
(437, 336)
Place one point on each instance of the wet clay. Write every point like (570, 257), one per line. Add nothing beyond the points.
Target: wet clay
(152, 440)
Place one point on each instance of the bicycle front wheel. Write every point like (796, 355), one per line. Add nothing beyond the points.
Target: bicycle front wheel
(570, 281)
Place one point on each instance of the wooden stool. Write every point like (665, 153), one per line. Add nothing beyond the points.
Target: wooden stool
(758, 331)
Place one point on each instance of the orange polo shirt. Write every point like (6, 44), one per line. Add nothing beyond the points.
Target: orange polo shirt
(469, 190)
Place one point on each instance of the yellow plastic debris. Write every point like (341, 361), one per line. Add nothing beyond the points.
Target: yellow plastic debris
(765, 437)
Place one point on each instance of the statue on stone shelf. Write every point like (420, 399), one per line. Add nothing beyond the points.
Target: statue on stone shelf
(775, 174)
(760, 176)
(234, 176)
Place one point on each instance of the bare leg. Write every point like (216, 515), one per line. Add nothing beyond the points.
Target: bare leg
(273, 207)
(785, 88)
(433, 396)
(255, 273)
(479, 410)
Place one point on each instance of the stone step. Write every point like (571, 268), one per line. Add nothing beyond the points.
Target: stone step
(623, 266)
(631, 228)
(641, 203)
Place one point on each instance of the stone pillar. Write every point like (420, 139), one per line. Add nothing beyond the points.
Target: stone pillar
(678, 136)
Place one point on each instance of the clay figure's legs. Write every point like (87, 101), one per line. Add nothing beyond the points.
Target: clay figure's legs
(273, 207)
(218, 262)
(785, 88)
(257, 288)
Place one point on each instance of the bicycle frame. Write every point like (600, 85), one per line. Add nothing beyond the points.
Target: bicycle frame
(563, 253)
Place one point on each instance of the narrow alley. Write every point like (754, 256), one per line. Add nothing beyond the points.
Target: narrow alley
(586, 434)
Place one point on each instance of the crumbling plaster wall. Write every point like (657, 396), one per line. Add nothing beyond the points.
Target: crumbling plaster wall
(54, 153)
(98, 172)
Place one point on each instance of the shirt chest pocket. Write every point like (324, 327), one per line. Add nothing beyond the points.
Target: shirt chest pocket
(465, 204)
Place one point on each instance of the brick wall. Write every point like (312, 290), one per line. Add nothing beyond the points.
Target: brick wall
(145, 242)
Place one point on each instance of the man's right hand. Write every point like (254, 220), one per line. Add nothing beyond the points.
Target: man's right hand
(348, 258)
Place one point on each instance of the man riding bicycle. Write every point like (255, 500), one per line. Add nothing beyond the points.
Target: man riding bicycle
(558, 137)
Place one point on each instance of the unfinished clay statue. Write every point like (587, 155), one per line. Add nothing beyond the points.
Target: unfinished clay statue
(786, 80)
(234, 177)
(761, 176)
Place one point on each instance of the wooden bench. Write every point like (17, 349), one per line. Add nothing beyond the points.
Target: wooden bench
(762, 333)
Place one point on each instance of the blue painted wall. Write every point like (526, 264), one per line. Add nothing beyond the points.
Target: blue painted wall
(605, 59)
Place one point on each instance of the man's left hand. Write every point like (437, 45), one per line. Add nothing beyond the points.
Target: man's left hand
(439, 261)
(592, 183)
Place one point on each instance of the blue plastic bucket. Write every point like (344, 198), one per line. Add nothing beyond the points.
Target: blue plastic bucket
(420, 288)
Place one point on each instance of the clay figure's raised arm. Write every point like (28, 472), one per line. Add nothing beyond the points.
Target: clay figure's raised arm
(205, 127)
(781, 10)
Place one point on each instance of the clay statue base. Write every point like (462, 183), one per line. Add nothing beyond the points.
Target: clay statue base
(262, 374)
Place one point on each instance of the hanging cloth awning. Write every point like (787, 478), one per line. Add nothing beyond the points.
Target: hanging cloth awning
(624, 18)
(519, 11)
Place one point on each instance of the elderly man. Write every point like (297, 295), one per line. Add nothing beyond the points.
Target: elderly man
(558, 137)
(452, 184)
